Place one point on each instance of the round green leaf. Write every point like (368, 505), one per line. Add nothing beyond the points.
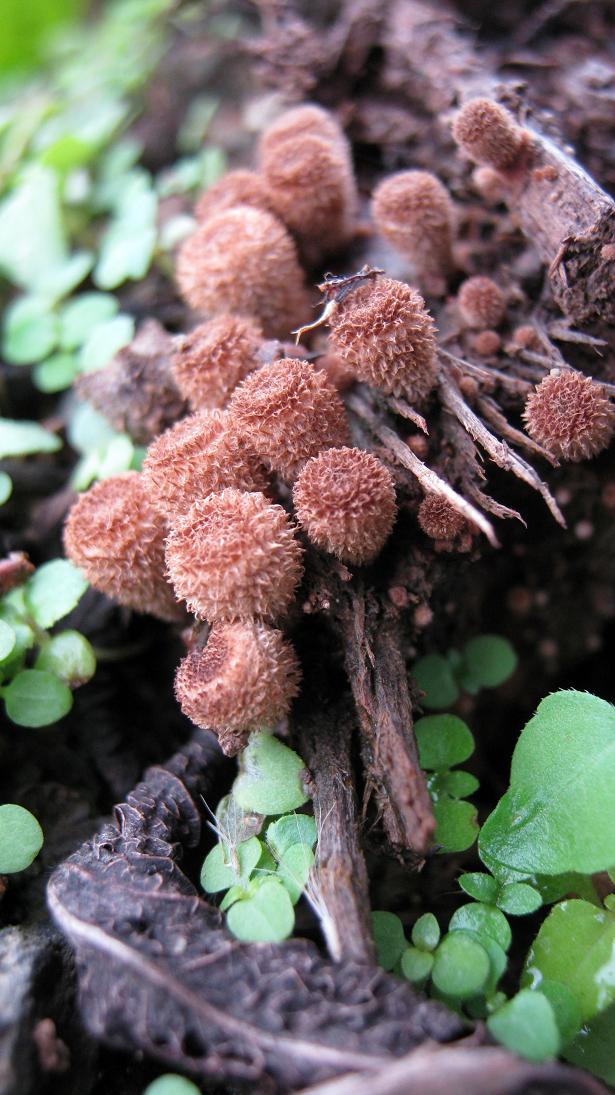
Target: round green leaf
(416, 965)
(21, 838)
(172, 1084)
(6, 487)
(36, 698)
(592, 1049)
(23, 438)
(56, 373)
(434, 676)
(104, 341)
(559, 812)
(484, 920)
(294, 869)
(443, 741)
(53, 591)
(461, 966)
(457, 784)
(565, 1008)
(70, 656)
(8, 640)
(518, 899)
(526, 1025)
(291, 829)
(30, 330)
(270, 777)
(224, 867)
(389, 938)
(267, 916)
(479, 885)
(81, 314)
(426, 932)
(456, 824)
(489, 660)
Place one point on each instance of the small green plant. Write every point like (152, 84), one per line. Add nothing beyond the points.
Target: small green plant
(21, 838)
(171, 1084)
(264, 852)
(485, 661)
(551, 831)
(445, 741)
(39, 669)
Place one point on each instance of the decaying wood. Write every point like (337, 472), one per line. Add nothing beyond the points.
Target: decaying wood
(482, 1070)
(339, 886)
(159, 973)
(379, 680)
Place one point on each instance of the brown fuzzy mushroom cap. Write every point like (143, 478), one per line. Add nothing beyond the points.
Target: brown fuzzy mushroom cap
(244, 679)
(312, 188)
(345, 501)
(481, 302)
(240, 187)
(233, 556)
(307, 120)
(571, 415)
(384, 331)
(489, 134)
(209, 362)
(290, 411)
(414, 212)
(243, 260)
(116, 537)
(439, 519)
(199, 455)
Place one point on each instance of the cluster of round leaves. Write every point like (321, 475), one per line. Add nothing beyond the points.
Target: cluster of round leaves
(39, 669)
(264, 853)
(485, 661)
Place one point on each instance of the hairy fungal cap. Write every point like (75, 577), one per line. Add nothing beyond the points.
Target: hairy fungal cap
(240, 187)
(571, 415)
(414, 212)
(233, 556)
(209, 362)
(116, 537)
(290, 411)
(307, 120)
(199, 455)
(481, 302)
(243, 260)
(439, 519)
(345, 501)
(385, 333)
(244, 679)
(489, 134)
(312, 189)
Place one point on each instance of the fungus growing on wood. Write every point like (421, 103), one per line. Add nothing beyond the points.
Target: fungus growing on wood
(571, 415)
(243, 260)
(290, 411)
(489, 134)
(414, 212)
(345, 500)
(234, 555)
(439, 519)
(209, 362)
(116, 537)
(240, 187)
(481, 302)
(244, 679)
(385, 333)
(312, 189)
(199, 455)
(307, 120)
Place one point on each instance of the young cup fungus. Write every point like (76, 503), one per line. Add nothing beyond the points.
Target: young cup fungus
(234, 555)
(345, 500)
(481, 302)
(240, 187)
(439, 519)
(201, 454)
(210, 361)
(489, 134)
(245, 678)
(116, 537)
(571, 415)
(413, 211)
(243, 260)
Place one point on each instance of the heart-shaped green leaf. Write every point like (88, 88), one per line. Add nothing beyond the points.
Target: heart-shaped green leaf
(269, 780)
(267, 916)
